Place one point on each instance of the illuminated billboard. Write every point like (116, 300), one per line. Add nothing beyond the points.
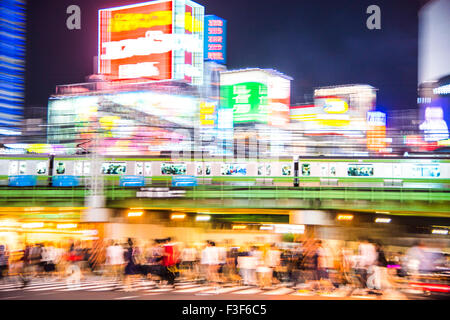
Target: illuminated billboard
(215, 39)
(434, 127)
(256, 95)
(156, 40)
(376, 131)
(138, 122)
(339, 110)
(248, 101)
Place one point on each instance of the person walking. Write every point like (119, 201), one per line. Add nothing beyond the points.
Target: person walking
(273, 261)
(24, 273)
(367, 260)
(4, 262)
(115, 261)
(188, 259)
(73, 270)
(169, 261)
(49, 257)
(131, 266)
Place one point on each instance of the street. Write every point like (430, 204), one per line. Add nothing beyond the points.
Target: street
(96, 288)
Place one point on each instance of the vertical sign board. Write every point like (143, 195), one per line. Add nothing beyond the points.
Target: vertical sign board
(376, 131)
(215, 39)
(147, 40)
(279, 94)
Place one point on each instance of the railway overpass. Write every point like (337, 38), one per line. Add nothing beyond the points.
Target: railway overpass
(396, 200)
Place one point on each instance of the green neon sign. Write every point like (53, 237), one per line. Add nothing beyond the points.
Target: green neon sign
(248, 100)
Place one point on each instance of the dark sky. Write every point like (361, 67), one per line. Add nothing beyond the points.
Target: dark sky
(318, 43)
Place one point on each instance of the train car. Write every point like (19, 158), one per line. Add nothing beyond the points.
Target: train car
(374, 172)
(72, 171)
(158, 171)
(25, 170)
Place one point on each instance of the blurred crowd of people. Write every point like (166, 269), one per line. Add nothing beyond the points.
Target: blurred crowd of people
(312, 265)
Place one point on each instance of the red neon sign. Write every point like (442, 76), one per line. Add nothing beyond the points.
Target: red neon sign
(132, 41)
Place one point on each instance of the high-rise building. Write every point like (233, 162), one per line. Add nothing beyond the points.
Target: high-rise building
(434, 73)
(12, 65)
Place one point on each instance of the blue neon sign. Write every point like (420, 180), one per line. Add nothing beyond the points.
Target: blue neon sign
(215, 39)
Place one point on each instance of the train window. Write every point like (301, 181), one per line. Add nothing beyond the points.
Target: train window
(139, 168)
(306, 169)
(397, 170)
(114, 167)
(324, 170)
(173, 168)
(22, 167)
(208, 169)
(286, 170)
(233, 169)
(13, 166)
(41, 167)
(61, 168)
(78, 168)
(87, 168)
(260, 169)
(148, 169)
(268, 170)
(199, 169)
(355, 170)
(332, 171)
(426, 171)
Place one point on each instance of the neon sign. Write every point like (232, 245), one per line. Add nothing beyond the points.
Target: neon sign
(132, 21)
(160, 40)
(335, 105)
(215, 39)
(434, 126)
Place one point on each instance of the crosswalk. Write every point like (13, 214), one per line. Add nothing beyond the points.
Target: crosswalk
(151, 288)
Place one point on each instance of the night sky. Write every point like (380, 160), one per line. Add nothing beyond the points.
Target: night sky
(318, 43)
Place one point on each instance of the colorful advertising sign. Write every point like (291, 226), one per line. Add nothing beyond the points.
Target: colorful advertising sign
(435, 128)
(376, 131)
(215, 39)
(131, 122)
(256, 95)
(248, 101)
(208, 115)
(145, 41)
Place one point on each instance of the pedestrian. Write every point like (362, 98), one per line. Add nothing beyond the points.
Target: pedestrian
(381, 281)
(222, 260)
(210, 259)
(188, 259)
(115, 261)
(310, 264)
(325, 266)
(273, 261)
(73, 270)
(416, 259)
(169, 261)
(153, 256)
(247, 263)
(49, 256)
(131, 266)
(25, 269)
(367, 259)
(4, 262)
(35, 259)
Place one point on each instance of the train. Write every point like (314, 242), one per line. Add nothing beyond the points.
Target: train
(138, 171)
